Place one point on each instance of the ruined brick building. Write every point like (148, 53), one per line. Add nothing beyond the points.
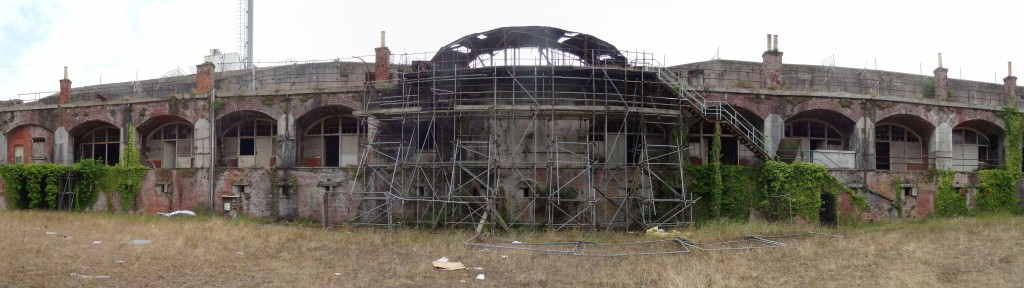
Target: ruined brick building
(515, 126)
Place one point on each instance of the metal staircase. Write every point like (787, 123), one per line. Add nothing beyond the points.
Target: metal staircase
(717, 111)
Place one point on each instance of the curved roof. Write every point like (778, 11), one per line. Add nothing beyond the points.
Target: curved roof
(588, 48)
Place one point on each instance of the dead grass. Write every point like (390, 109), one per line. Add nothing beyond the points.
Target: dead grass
(984, 251)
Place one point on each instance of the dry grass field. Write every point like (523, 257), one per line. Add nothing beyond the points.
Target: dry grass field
(209, 251)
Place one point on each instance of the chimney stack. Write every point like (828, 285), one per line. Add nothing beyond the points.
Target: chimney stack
(771, 65)
(204, 77)
(65, 88)
(940, 60)
(1010, 86)
(382, 61)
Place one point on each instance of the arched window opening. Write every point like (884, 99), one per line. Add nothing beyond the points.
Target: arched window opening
(170, 146)
(972, 150)
(332, 142)
(898, 148)
(249, 143)
(102, 143)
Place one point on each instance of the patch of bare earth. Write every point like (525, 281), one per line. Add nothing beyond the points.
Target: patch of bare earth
(203, 251)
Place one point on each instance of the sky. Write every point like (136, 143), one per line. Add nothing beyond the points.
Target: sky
(123, 40)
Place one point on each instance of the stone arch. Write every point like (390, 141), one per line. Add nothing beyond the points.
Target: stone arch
(902, 142)
(29, 143)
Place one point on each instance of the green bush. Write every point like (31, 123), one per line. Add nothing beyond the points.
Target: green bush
(948, 201)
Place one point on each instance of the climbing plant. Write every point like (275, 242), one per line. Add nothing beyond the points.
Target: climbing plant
(716, 172)
(796, 188)
(130, 172)
(948, 201)
(997, 188)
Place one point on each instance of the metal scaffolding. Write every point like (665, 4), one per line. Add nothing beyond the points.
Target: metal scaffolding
(530, 133)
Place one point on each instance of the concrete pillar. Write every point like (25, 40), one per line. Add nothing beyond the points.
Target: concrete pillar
(864, 130)
(201, 139)
(774, 128)
(286, 132)
(1010, 90)
(941, 83)
(3, 148)
(63, 147)
(940, 147)
(204, 78)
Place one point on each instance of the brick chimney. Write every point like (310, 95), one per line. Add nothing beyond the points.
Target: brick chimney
(771, 65)
(65, 88)
(383, 60)
(1010, 86)
(941, 81)
(204, 78)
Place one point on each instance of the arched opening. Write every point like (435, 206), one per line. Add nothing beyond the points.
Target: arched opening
(97, 140)
(247, 140)
(332, 141)
(977, 144)
(167, 142)
(823, 136)
(899, 148)
(29, 144)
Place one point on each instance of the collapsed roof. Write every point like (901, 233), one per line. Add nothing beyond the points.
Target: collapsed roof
(589, 49)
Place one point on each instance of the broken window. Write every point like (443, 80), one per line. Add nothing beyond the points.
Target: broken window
(814, 135)
(249, 143)
(170, 146)
(332, 142)
(102, 144)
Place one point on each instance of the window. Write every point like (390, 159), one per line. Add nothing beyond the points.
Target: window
(163, 188)
(102, 144)
(814, 135)
(286, 188)
(249, 143)
(424, 192)
(971, 150)
(615, 141)
(909, 192)
(239, 189)
(170, 146)
(898, 148)
(332, 142)
(701, 136)
(19, 154)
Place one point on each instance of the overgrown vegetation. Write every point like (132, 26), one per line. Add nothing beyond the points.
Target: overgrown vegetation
(949, 201)
(998, 188)
(37, 186)
(716, 172)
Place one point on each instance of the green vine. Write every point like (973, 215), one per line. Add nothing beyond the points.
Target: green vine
(948, 201)
(130, 172)
(897, 202)
(716, 172)
(997, 188)
(795, 187)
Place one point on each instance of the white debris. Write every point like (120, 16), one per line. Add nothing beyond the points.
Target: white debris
(50, 233)
(443, 259)
(337, 274)
(478, 268)
(517, 242)
(118, 261)
(176, 213)
(504, 256)
(97, 242)
(141, 242)
(480, 277)
(90, 276)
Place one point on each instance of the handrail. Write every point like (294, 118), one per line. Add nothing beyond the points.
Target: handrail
(715, 110)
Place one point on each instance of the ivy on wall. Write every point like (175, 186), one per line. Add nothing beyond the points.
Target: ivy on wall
(716, 173)
(736, 192)
(37, 186)
(948, 201)
(131, 172)
(796, 188)
(998, 188)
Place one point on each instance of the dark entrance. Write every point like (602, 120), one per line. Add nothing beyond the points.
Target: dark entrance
(828, 216)
(332, 151)
(882, 155)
